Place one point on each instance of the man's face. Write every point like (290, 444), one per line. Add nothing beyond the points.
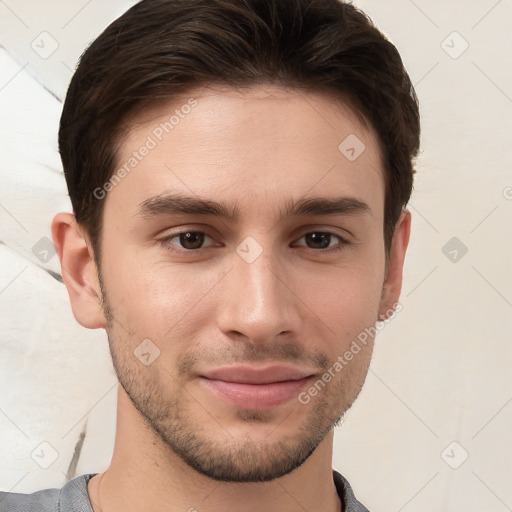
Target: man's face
(262, 291)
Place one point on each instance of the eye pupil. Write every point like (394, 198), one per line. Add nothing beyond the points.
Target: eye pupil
(322, 238)
(194, 238)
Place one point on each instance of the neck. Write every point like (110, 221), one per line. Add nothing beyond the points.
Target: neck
(145, 474)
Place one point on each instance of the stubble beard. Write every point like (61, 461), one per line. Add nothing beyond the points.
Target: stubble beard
(227, 459)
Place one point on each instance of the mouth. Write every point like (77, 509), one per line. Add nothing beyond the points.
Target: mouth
(256, 388)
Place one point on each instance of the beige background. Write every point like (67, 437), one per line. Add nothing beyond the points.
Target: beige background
(440, 384)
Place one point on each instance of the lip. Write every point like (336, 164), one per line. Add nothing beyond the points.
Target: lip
(256, 388)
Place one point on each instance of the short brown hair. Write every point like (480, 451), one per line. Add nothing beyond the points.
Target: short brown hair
(160, 49)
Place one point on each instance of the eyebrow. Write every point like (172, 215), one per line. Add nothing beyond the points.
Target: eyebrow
(173, 204)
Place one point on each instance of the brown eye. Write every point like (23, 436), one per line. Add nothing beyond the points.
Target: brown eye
(184, 242)
(191, 239)
(321, 241)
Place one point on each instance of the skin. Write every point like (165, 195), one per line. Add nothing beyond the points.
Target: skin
(177, 442)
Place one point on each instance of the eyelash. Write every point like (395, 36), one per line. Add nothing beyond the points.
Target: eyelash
(166, 242)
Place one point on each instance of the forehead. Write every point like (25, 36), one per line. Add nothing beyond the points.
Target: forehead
(246, 143)
(237, 109)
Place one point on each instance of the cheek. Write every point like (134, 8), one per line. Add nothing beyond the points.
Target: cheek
(346, 297)
(160, 299)
(157, 298)
(350, 308)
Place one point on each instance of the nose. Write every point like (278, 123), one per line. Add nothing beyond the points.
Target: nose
(258, 302)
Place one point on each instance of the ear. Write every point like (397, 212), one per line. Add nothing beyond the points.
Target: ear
(78, 271)
(394, 267)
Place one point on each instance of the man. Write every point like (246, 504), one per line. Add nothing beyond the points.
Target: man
(239, 173)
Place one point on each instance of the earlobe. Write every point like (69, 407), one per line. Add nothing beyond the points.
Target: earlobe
(79, 271)
(393, 281)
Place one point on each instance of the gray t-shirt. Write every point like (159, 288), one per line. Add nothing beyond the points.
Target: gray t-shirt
(73, 497)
